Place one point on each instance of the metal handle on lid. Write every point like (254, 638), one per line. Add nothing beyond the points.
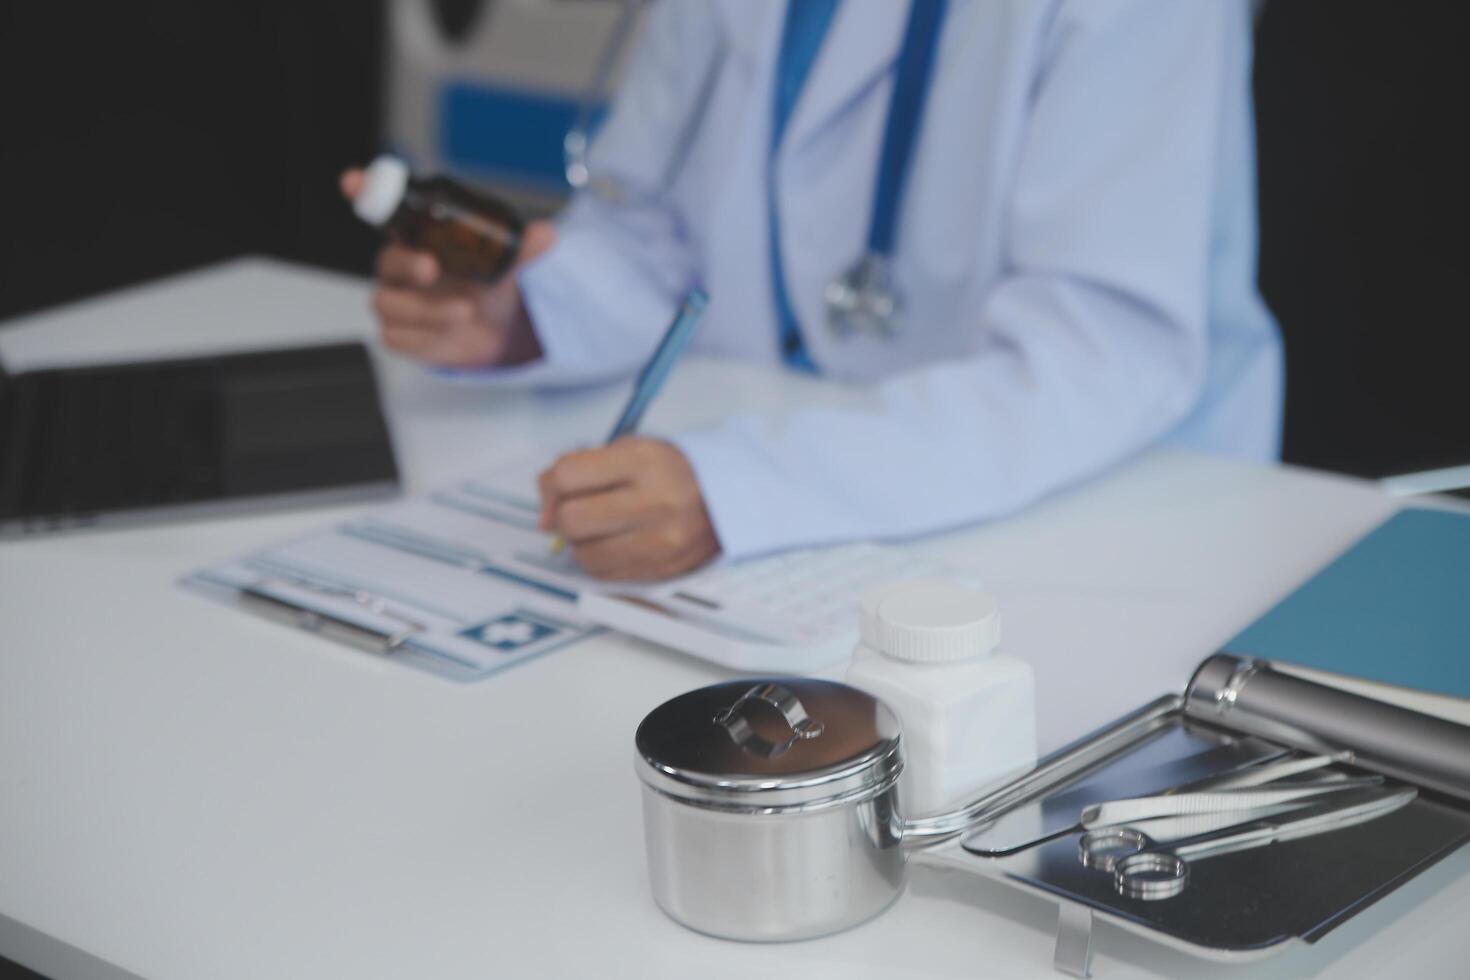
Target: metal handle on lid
(802, 725)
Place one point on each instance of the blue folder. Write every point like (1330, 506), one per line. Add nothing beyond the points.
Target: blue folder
(1394, 608)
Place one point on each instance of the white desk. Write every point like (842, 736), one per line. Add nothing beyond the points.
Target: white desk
(188, 792)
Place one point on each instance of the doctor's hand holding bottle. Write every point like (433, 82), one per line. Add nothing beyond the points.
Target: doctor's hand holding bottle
(631, 510)
(448, 321)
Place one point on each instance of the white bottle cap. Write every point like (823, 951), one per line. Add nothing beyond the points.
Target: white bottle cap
(868, 611)
(931, 621)
(383, 184)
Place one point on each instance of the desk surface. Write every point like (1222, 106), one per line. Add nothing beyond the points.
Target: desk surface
(186, 791)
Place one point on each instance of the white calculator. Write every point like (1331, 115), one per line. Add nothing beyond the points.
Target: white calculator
(792, 613)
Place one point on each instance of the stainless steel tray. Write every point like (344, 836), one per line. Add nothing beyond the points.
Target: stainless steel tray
(1237, 907)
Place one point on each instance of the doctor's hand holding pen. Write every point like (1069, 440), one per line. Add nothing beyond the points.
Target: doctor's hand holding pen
(630, 510)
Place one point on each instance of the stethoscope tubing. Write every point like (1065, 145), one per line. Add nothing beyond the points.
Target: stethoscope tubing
(863, 300)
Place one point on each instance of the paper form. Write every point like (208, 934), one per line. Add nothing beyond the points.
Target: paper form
(457, 579)
(462, 582)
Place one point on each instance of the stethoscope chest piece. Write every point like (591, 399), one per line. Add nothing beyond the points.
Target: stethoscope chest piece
(864, 300)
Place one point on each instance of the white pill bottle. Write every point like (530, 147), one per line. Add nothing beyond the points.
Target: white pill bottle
(929, 650)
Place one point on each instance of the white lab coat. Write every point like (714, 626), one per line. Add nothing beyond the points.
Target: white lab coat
(1076, 249)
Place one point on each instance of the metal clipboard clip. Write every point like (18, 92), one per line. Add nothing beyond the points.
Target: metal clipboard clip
(255, 598)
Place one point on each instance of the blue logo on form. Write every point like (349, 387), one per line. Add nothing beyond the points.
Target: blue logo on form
(509, 633)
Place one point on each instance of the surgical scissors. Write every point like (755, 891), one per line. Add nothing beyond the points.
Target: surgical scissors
(1155, 870)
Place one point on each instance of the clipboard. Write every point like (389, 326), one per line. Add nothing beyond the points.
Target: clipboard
(403, 583)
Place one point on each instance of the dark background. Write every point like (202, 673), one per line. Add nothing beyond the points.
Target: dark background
(1365, 227)
(146, 137)
(141, 138)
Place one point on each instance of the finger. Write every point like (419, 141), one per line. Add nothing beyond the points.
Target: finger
(413, 307)
(351, 183)
(537, 237)
(403, 266)
(414, 341)
(646, 554)
(599, 515)
(445, 347)
(589, 470)
(648, 571)
(618, 556)
(697, 553)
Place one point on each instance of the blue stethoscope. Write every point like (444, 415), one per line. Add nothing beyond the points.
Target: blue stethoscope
(864, 300)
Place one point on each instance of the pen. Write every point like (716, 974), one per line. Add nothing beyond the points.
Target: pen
(651, 379)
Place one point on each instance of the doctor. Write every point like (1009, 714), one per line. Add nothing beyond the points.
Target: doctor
(1055, 198)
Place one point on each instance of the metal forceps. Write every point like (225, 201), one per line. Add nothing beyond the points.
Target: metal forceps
(1113, 830)
(1256, 774)
(1242, 802)
(1154, 871)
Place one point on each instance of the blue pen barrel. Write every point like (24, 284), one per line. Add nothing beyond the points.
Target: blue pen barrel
(656, 371)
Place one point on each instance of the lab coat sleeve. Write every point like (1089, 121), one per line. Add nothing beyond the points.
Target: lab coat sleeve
(1089, 348)
(602, 295)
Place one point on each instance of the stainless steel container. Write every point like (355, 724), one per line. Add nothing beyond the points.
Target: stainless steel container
(770, 808)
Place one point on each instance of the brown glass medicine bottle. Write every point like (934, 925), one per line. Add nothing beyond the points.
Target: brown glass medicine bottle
(473, 235)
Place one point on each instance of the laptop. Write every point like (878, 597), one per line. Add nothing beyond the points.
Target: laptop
(127, 443)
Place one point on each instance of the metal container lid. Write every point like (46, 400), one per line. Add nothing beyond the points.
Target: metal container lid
(770, 745)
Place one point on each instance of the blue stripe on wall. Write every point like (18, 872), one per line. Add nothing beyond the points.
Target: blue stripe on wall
(509, 133)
